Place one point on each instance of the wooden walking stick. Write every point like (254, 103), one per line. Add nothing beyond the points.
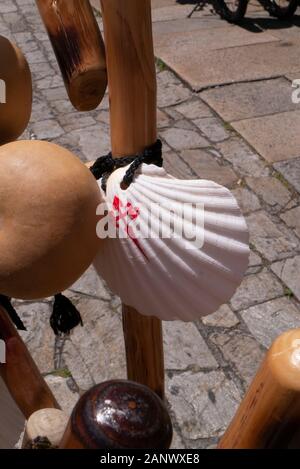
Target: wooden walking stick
(132, 89)
(119, 415)
(79, 48)
(20, 373)
(269, 416)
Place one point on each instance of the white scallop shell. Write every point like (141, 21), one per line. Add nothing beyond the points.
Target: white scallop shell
(174, 277)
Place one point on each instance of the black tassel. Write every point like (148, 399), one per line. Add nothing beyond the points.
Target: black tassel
(6, 303)
(65, 316)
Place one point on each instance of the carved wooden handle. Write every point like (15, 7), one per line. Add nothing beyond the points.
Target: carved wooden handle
(79, 48)
(269, 416)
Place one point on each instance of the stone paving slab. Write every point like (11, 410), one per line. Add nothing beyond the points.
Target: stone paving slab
(252, 99)
(288, 272)
(267, 321)
(275, 137)
(168, 29)
(290, 171)
(202, 68)
(188, 43)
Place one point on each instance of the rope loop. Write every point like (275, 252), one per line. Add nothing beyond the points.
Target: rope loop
(106, 165)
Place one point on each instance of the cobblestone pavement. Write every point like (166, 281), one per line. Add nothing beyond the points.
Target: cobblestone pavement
(208, 363)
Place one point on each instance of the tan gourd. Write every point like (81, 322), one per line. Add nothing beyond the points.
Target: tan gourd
(48, 201)
(15, 92)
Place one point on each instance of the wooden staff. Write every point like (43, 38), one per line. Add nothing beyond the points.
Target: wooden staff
(269, 416)
(132, 89)
(20, 373)
(118, 415)
(79, 49)
(45, 429)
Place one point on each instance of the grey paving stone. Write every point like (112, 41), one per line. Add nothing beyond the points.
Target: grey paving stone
(272, 241)
(224, 317)
(54, 94)
(255, 289)
(172, 12)
(170, 93)
(39, 336)
(289, 272)
(93, 141)
(177, 442)
(65, 397)
(191, 42)
(40, 111)
(41, 71)
(48, 82)
(175, 166)
(246, 199)
(183, 124)
(91, 284)
(194, 109)
(245, 100)
(271, 190)
(203, 403)
(255, 263)
(163, 119)
(95, 352)
(213, 129)
(232, 64)
(15, 22)
(62, 106)
(180, 139)
(275, 137)
(243, 159)
(185, 348)
(185, 24)
(292, 219)
(75, 120)
(268, 320)
(291, 172)
(47, 129)
(7, 7)
(206, 166)
(240, 350)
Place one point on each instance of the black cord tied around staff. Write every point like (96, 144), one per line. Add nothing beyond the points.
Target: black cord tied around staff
(5, 302)
(106, 165)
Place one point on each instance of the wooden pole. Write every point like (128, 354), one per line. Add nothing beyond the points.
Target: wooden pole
(20, 373)
(118, 415)
(132, 90)
(79, 48)
(269, 416)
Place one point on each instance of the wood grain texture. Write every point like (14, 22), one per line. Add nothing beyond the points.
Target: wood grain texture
(132, 91)
(269, 416)
(79, 49)
(20, 373)
(119, 414)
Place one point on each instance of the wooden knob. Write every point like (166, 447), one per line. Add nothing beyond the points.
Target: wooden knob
(269, 415)
(79, 49)
(118, 415)
(45, 425)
